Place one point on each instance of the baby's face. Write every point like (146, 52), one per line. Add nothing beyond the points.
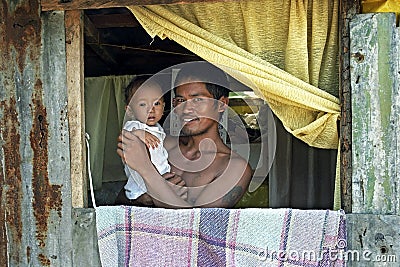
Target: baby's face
(147, 104)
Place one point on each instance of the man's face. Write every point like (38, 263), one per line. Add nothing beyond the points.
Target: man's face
(196, 108)
(147, 104)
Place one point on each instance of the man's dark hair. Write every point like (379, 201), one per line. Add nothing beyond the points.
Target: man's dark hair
(133, 85)
(214, 78)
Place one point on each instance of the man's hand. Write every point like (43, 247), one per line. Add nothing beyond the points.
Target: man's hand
(149, 139)
(119, 148)
(132, 151)
(177, 184)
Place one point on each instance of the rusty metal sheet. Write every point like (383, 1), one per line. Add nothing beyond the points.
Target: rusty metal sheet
(19, 29)
(10, 181)
(34, 148)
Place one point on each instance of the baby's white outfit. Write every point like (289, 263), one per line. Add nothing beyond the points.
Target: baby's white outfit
(135, 185)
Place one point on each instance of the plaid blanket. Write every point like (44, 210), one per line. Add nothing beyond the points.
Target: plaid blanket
(134, 236)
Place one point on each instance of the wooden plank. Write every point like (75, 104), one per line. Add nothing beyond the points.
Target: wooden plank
(55, 246)
(375, 114)
(76, 116)
(397, 125)
(48, 5)
(348, 8)
(373, 240)
(85, 249)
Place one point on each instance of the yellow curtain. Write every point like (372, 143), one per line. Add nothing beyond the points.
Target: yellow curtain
(284, 49)
(369, 6)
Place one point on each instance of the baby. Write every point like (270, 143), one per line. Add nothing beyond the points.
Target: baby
(145, 106)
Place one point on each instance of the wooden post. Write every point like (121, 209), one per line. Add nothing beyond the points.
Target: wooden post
(375, 76)
(86, 249)
(76, 114)
(348, 8)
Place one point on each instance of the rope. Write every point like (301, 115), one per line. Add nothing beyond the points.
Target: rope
(87, 138)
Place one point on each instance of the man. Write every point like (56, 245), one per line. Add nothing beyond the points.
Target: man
(212, 175)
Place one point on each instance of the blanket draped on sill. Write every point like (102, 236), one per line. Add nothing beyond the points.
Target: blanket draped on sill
(134, 236)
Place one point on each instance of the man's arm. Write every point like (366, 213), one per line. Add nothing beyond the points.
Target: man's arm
(133, 152)
(225, 190)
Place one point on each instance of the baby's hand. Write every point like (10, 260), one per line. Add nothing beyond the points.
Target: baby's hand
(147, 138)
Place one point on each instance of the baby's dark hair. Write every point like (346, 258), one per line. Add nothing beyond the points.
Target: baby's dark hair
(133, 85)
(214, 78)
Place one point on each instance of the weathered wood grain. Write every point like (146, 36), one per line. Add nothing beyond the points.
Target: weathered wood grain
(348, 9)
(373, 240)
(86, 249)
(76, 115)
(397, 123)
(48, 5)
(375, 113)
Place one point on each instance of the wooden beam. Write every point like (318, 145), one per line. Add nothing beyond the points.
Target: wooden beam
(76, 114)
(94, 41)
(375, 115)
(95, 4)
(348, 8)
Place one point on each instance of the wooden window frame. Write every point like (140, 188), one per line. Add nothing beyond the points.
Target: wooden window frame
(75, 83)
